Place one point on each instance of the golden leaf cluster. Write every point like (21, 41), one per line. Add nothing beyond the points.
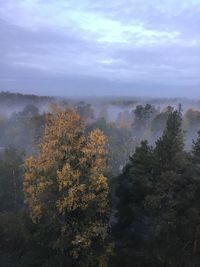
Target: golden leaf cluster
(65, 182)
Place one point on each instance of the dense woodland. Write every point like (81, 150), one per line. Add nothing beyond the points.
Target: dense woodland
(99, 183)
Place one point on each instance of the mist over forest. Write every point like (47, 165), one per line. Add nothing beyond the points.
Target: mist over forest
(99, 181)
(22, 117)
(99, 133)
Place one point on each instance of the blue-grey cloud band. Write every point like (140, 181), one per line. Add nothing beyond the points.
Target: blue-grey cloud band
(100, 47)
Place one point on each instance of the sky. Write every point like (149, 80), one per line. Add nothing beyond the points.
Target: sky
(100, 47)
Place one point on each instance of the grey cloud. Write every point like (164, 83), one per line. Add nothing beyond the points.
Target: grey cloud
(71, 60)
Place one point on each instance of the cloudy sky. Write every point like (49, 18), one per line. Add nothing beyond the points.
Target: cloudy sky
(100, 47)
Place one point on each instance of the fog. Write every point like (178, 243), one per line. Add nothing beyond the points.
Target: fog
(99, 133)
(22, 118)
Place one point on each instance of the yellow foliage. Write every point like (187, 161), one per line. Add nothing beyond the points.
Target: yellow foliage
(66, 180)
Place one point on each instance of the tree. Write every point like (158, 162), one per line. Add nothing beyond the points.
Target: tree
(120, 144)
(85, 111)
(169, 148)
(11, 193)
(158, 124)
(196, 148)
(12, 234)
(124, 119)
(159, 203)
(174, 201)
(20, 128)
(191, 122)
(103, 112)
(2, 130)
(65, 186)
(143, 116)
(134, 184)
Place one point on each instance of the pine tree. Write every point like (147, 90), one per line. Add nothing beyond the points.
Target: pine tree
(65, 186)
(158, 206)
(173, 202)
(169, 148)
(134, 183)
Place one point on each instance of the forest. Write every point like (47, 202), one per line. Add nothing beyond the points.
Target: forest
(99, 182)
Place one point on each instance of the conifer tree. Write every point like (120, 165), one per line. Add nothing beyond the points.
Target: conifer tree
(156, 199)
(173, 202)
(169, 148)
(134, 183)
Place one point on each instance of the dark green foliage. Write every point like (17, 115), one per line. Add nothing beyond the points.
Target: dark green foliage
(155, 209)
(159, 203)
(196, 149)
(169, 148)
(11, 192)
(191, 123)
(158, 124)
(134, 183)
(2, 129)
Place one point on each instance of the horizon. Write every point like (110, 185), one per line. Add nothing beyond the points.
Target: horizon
(108, 97)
